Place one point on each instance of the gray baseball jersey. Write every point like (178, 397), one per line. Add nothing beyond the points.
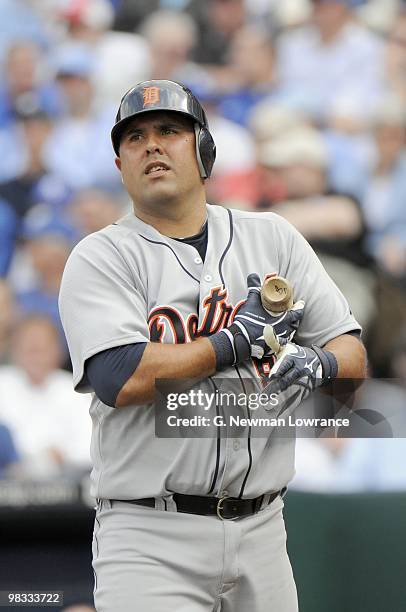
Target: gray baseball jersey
(128, 283)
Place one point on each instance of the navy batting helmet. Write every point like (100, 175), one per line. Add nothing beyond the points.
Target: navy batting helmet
(168, 96)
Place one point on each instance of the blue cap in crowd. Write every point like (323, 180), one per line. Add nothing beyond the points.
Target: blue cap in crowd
(41, 222)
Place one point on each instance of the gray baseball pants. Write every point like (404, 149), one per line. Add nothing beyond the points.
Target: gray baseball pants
(148, 560)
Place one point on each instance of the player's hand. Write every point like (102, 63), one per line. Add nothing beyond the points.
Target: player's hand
(309, 367)
(252, 317)
(244, 338)
(246, 333)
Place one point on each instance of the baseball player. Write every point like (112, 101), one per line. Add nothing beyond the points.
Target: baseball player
(171, 291)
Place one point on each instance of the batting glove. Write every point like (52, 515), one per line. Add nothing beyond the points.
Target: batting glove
(244, 338)
(309, 367)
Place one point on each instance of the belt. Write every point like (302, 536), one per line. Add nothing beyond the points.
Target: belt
(226, 508)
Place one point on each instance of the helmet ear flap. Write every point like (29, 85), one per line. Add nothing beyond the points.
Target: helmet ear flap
(205, 150)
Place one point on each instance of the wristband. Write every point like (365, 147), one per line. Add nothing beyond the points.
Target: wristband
(328, 363)
(223, 349)
(230, 346)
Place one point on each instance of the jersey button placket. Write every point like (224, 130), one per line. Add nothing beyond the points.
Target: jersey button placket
(208, 278)
(198, 260)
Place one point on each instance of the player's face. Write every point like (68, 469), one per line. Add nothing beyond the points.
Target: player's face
(158, 159)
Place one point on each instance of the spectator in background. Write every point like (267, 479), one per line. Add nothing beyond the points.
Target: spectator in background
(171, 37)
(48, 242)
(270, 120)
(385, 197)
(243, 187)
(34, 182)
(335, 55)
(26, 82)
(349, 144)
(120, 59)
(299, 161)
(79, 151)
(92, 209)
(251, 64)
(48, 420)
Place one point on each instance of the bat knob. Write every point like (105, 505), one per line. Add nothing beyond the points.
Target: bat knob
(276, 294)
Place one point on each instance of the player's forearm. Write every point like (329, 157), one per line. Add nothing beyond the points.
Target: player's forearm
(171, 361)
(350, 354)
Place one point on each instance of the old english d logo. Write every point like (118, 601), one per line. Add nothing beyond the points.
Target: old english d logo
(151, 95)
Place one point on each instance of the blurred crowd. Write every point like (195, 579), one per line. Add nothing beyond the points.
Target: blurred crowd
(306, 100)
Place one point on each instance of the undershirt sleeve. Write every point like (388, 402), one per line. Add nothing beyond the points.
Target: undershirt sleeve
(109, 370)
(354, 332)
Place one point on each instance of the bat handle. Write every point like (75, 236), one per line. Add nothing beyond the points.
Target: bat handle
(276, 297)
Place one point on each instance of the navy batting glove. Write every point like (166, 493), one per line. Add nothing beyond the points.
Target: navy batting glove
(309, 367)
(244, 338)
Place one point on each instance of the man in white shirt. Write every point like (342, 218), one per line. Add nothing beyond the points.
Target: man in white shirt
(49, 422)
(334, 56)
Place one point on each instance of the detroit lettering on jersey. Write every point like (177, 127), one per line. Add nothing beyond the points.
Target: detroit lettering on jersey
(218, 313)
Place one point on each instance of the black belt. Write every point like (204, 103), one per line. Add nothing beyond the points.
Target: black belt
(224, 507)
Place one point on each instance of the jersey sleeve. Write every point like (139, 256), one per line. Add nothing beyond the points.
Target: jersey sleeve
(327, 313)
(101, 303)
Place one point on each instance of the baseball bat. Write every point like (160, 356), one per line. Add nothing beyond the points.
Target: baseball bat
(276, 296)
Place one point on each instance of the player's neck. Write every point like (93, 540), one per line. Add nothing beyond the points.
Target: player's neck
(176, 223)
